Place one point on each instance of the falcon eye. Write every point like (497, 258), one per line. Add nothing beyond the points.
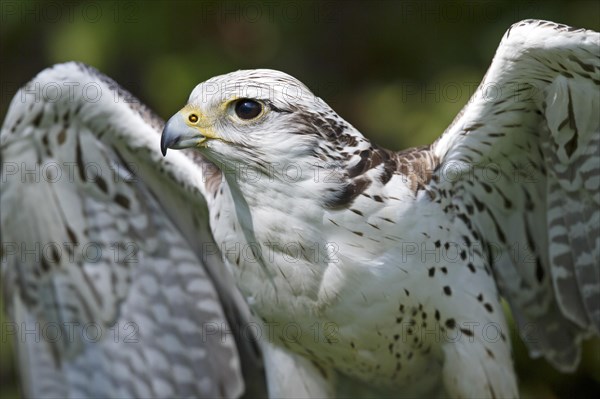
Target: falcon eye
(193, 118)
(248, 109)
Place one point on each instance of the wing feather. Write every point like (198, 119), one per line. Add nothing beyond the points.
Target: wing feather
(107, 246)
(528, 150)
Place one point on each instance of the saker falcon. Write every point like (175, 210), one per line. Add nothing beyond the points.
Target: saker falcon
(356, 266)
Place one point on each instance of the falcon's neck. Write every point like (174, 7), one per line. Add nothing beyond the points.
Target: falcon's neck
(336, 167)
(331, 180)
(324, 167)
(323, 199)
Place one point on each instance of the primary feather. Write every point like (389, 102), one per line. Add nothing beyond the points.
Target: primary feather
(112, 292)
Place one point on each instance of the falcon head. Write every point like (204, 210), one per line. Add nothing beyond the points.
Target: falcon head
(254, 118)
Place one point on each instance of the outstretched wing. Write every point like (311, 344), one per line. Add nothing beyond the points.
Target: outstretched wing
(113, 282)
(521, 166)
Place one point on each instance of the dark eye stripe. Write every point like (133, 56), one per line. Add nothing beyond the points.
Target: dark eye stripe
(276, 109)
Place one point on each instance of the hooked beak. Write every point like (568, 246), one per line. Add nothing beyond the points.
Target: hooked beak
(177, 135)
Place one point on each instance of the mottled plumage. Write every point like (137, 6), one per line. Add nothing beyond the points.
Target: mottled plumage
(368, 271)
(107, 294)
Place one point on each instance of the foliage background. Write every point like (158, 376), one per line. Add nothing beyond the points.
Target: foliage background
(398, 70)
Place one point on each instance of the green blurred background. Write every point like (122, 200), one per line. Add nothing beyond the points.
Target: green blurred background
(398, 70)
